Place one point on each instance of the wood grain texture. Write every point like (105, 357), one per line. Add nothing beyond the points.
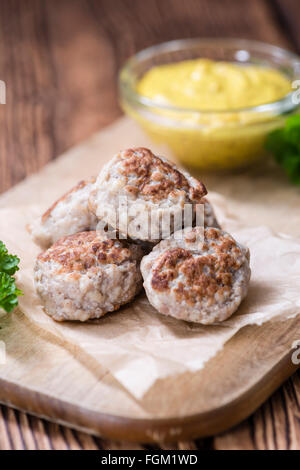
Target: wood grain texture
(287, 13)
(60, 59)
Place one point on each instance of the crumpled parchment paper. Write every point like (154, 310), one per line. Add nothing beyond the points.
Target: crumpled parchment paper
(137, 344)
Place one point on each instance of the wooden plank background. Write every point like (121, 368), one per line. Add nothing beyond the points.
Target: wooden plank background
(60, 61)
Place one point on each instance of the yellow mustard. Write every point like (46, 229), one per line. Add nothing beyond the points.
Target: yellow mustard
(220, 133)
(208, 85)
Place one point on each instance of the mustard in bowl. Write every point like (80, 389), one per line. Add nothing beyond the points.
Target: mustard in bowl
(212, 101)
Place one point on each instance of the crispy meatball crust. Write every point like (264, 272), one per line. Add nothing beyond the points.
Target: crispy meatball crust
(152, 187)
(195, 278)
(86, 275)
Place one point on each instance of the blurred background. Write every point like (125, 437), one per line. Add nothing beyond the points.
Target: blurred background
(60, 61)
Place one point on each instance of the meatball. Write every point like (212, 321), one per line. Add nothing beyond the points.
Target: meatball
(144, 195)
(199, 275)
(68, 215)
(86, 275)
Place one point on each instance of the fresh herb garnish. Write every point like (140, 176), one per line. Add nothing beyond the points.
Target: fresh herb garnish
(285, 145)
(8, 289)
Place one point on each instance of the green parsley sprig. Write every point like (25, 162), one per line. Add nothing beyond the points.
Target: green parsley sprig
(285, 145)
(8, 290)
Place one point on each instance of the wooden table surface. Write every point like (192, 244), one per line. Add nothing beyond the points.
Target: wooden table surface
(60, 61)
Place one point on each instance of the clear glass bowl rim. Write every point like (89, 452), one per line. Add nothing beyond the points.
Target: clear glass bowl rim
(283, 105)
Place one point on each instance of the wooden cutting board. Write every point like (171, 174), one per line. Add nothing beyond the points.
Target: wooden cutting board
(45, 377)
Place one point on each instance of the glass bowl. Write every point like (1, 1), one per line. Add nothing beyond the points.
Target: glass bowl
(209, 140)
